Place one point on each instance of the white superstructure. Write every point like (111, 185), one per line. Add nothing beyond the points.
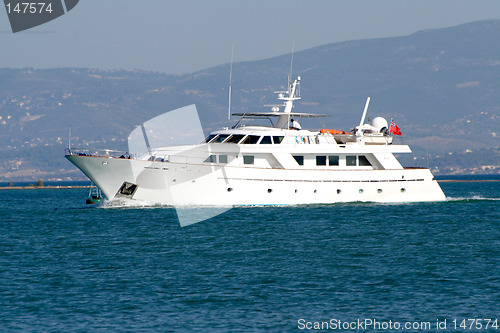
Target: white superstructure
(262, 165)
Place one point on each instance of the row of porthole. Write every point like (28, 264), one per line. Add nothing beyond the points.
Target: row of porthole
(269, 190)
(378, 191)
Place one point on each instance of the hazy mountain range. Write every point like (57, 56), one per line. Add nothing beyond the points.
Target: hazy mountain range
(441, 86)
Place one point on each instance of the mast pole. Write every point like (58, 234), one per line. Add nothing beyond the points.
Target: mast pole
(364, 112)
(290, 78)
(230, 79)
(69, 140)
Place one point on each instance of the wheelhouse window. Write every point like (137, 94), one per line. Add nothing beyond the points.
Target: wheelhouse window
(350, 160)
(299, 159)
(333, 160)
(266, 140)
(220, 138)
(278, 139)
(235, 138)
(363, 161)
(320, 160)
(210, 137)
(251, 140)
(248, 159)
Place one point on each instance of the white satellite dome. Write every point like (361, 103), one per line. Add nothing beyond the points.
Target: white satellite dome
(379, 123)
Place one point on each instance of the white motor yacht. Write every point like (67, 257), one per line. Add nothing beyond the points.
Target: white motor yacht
(263, 165)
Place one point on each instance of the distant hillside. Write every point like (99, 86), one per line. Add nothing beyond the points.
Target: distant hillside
(441, 86)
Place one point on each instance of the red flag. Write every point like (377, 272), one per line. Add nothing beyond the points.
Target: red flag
(394, 129)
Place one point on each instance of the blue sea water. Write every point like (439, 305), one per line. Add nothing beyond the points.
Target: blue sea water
(65, 266)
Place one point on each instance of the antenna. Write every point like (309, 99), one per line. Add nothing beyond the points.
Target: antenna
(230, 79)
(291, 66)
(69, 140)
(364, 112)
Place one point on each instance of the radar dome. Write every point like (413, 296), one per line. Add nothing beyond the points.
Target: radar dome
(379, 123)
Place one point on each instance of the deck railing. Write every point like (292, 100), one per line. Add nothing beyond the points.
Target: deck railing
(97, 153)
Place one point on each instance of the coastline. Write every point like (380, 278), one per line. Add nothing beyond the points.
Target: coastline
(48, 187)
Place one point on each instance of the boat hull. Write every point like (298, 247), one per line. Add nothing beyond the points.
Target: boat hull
(178, 184)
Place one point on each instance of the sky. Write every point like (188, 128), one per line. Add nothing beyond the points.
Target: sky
(183, 36)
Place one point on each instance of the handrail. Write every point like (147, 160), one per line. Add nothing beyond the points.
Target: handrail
(96, 152)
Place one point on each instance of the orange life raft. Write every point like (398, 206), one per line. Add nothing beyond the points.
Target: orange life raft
(330, 131)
